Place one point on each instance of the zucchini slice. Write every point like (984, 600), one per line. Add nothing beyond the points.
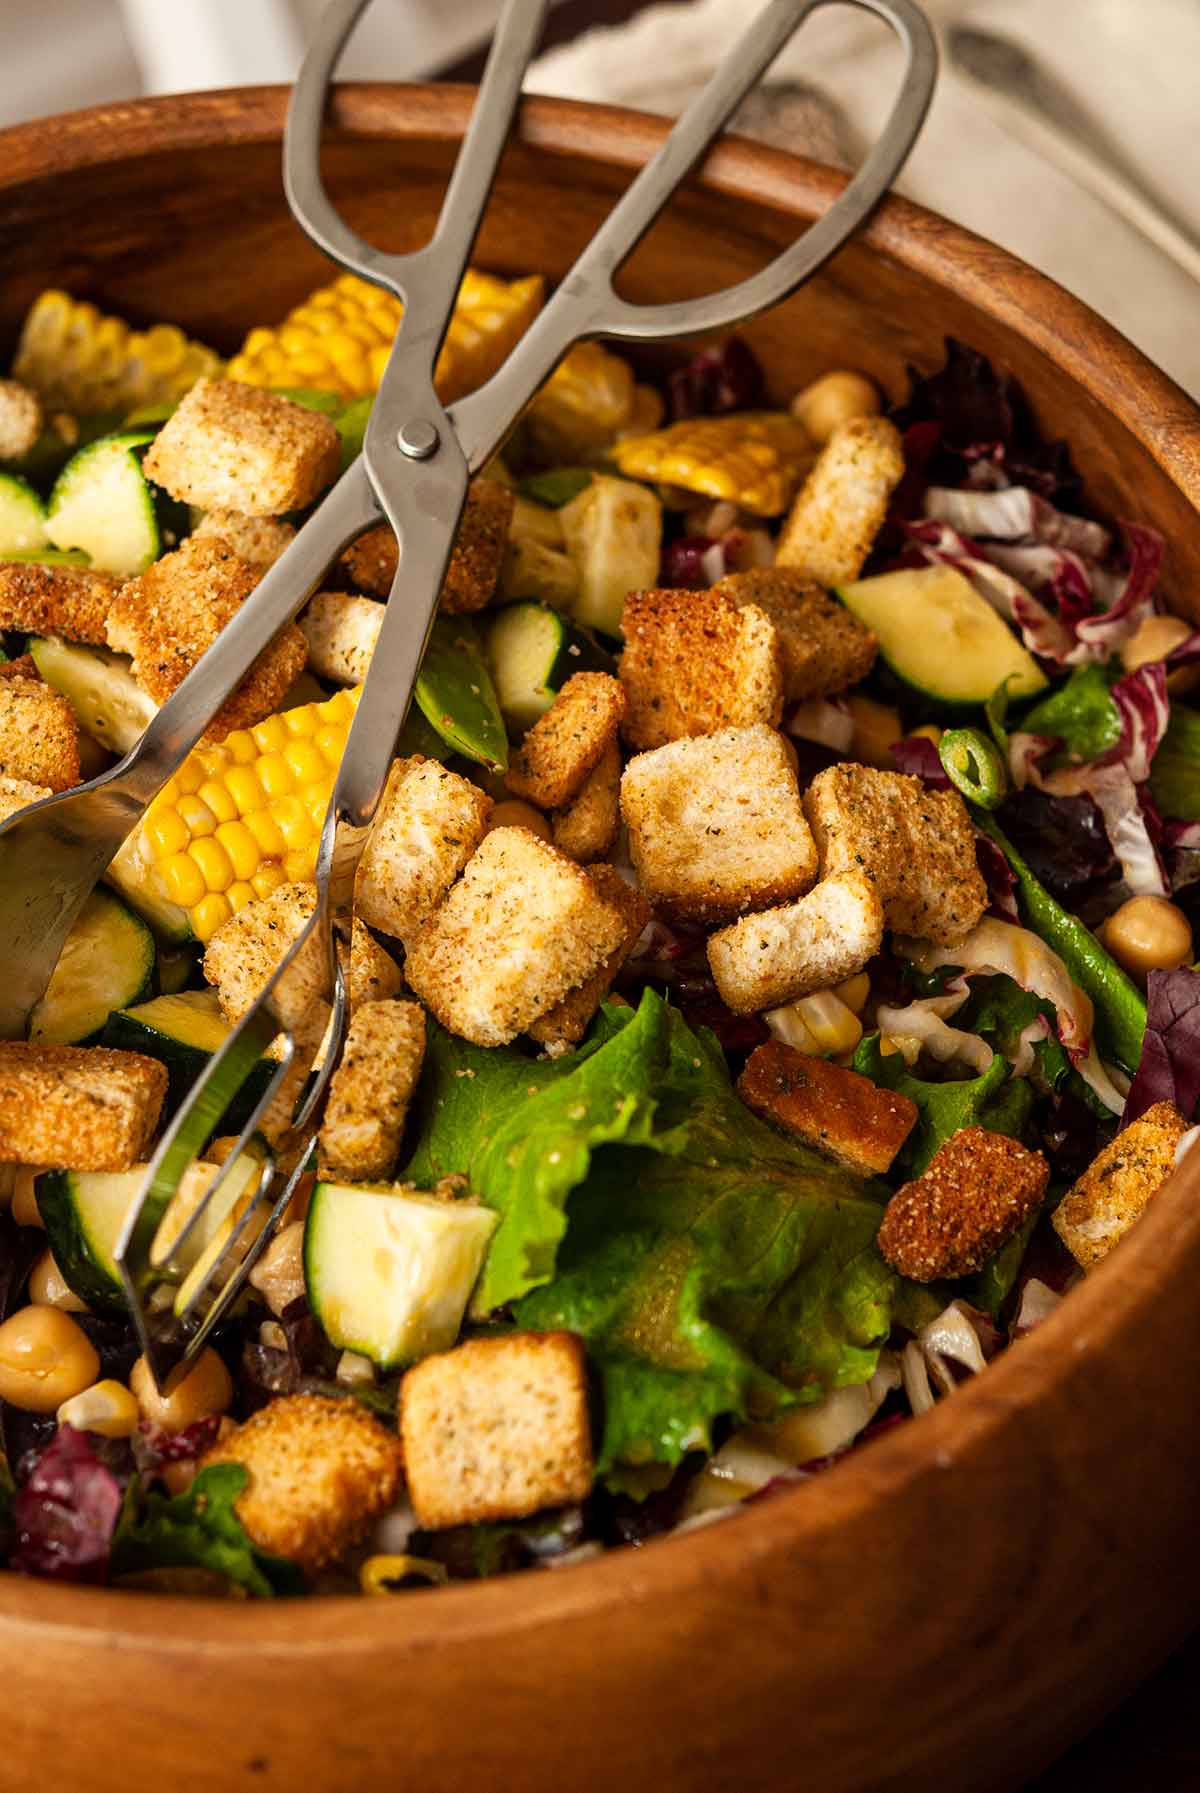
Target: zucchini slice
(182, 1032)
(389, 1272)
(22, 517)
(103, 503)
(108, 702)
(106, 963)
(940, 636)
(532, 651)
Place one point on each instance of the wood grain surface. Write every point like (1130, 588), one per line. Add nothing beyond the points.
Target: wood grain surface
(957, 1602)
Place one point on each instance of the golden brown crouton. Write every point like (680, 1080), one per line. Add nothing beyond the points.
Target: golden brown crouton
(428, 824)
(39, 740)
(23, 667)
(567, 1022)
(1098, 1211)
(370, 1092)
(827, 1106)
(496, 1429)
(68, 601)
(695, 662)
(915, 844)
(554, 760)
(239, 448)
(77, 1107)
(823, 648)
(20, 419)
(475, 560)
(18, 793)
(979, 1189)
(341, 631)
(716, 825)
(170, 615)
(321, 1472)
(587, 828)
(840, 508)
(779, 954)
(259, 540)
(372, 560)
(523, 926)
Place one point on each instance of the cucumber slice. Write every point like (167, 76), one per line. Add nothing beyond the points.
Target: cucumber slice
(53, 557)
(103, 503)
(389, 1273)
(107, 962)
(532, 652)
(134, 873)
(613, 532)
(183, 1032)
(455, 693)
(939, 636)
(108, 702)
(22, 517)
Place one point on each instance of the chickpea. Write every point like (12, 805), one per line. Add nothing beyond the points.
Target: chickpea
(512, 813)
(1148, 933)
(1153, 639)
(24, 1206)
(45, 1358)
(832, 400)
(854, 991)
(189, 1395)
(49, 1288)
(928, 731)
(876, 727)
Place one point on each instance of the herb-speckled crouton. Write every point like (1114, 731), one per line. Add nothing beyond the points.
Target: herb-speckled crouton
(20, 419)
(235, 447)
(39, 740)
(77, 1107)
(978, 1190)
(321, 1471)
(567, 743)
(428, 824)
(523, 926)
(496, 1429)
(1099, 1209)
(259, 540)
(716, 825)
(567, 1022)
(780, 954)
(695, 662)
(69, 601)
(587, 828)
(827, 1106)
(823, 649)
(840, 508)
(341, 631)
(370, 1092)
(475, 559)
(18, 793)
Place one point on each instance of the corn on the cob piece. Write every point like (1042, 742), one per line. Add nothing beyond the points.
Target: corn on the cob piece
(586, 401)
(753, 458)
(76, 358)
(340, 337)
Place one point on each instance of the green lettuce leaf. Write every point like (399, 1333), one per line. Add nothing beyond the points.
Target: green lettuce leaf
(1081, 713)
(992, 1100)
(200, 1529)
(1175, 769)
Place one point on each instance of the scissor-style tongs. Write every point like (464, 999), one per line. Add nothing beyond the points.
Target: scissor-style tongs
(414, 470)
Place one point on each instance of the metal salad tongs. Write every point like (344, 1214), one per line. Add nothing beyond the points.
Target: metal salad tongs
(414, 470)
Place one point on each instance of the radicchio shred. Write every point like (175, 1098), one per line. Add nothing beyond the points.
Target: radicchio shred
(66, 1512)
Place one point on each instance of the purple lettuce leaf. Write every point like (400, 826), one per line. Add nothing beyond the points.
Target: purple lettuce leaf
(916, 754)
(1064, 841)
(1170, 1064)
(725, 377)
(66, 1512)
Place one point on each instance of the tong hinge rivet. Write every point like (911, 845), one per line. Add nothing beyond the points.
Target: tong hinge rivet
(418, 440)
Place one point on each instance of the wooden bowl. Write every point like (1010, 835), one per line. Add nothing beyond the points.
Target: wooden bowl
(960, 1599)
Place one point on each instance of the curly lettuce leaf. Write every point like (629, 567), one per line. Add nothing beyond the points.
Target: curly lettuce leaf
(1175, 772)
(200, 1529)
(1080, 714)
(992, 1100)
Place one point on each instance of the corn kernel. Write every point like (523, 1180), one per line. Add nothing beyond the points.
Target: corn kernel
(275, 776)
(305, 761)
(191, 775)
(269, 876)
(330, 743)
(170, 793)
(301, 722)
(239, 894)
(213, 862)
(166, 831)
(245, 789)
(107, 1408)
(270, 734)
(182, 880)
(753, 458)
(300, 865)
(854, 991)
(196, 816)
(217, 800)
(266, 832)
(243, 850)
(293, 820)
(209, 915)
(240, 745)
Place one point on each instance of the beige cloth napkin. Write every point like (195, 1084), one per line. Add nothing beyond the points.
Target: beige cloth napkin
(1135, 62)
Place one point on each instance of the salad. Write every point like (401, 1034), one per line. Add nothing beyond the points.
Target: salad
(773, 969)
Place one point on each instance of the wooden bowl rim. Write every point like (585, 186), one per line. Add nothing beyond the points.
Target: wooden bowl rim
(1106, 1306)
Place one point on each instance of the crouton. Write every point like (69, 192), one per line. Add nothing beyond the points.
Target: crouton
(170, 615)
(341, 631)
(370, 1092)
(777, 955)
(321, 1471)
(258, 540)
(567, 743)
(827, 1106)
(23, 667)
(428, 824)
(916, 845)
(840, 508)
(239, 448)
(39, 741)
(18, 793)
(475, 559)
(587, 828)
(979, 1189)
(372, 560)
(496, 1429)
(77, 1107)
(823, 649)
(1099, 1209)
(68, 601)
(695, 662)
(20, 419)
(716, 825)
(567, 1022)
(523, 926)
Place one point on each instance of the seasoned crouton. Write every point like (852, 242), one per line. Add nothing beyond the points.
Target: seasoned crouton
(523, 926)
(695, 662)
(69, 601)
(170, 615)
(341, 631)
(827, 1106)
(587, 828)
(567, 1022)
(475, 560)
(428, 824)
(18, 793)
(77, 1107)
(716, 825)
(372, 560)
(23, 667)
(915, 844)
(779, 954)
(321, 1472)
(823, 649)
(259, 540)
(39, 740)
(370, 1092)
(1099, 1209)
(496, 1429)
(840, 508)
(979, 1189)
(235, 447)
(554, 760)
(20, 419)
